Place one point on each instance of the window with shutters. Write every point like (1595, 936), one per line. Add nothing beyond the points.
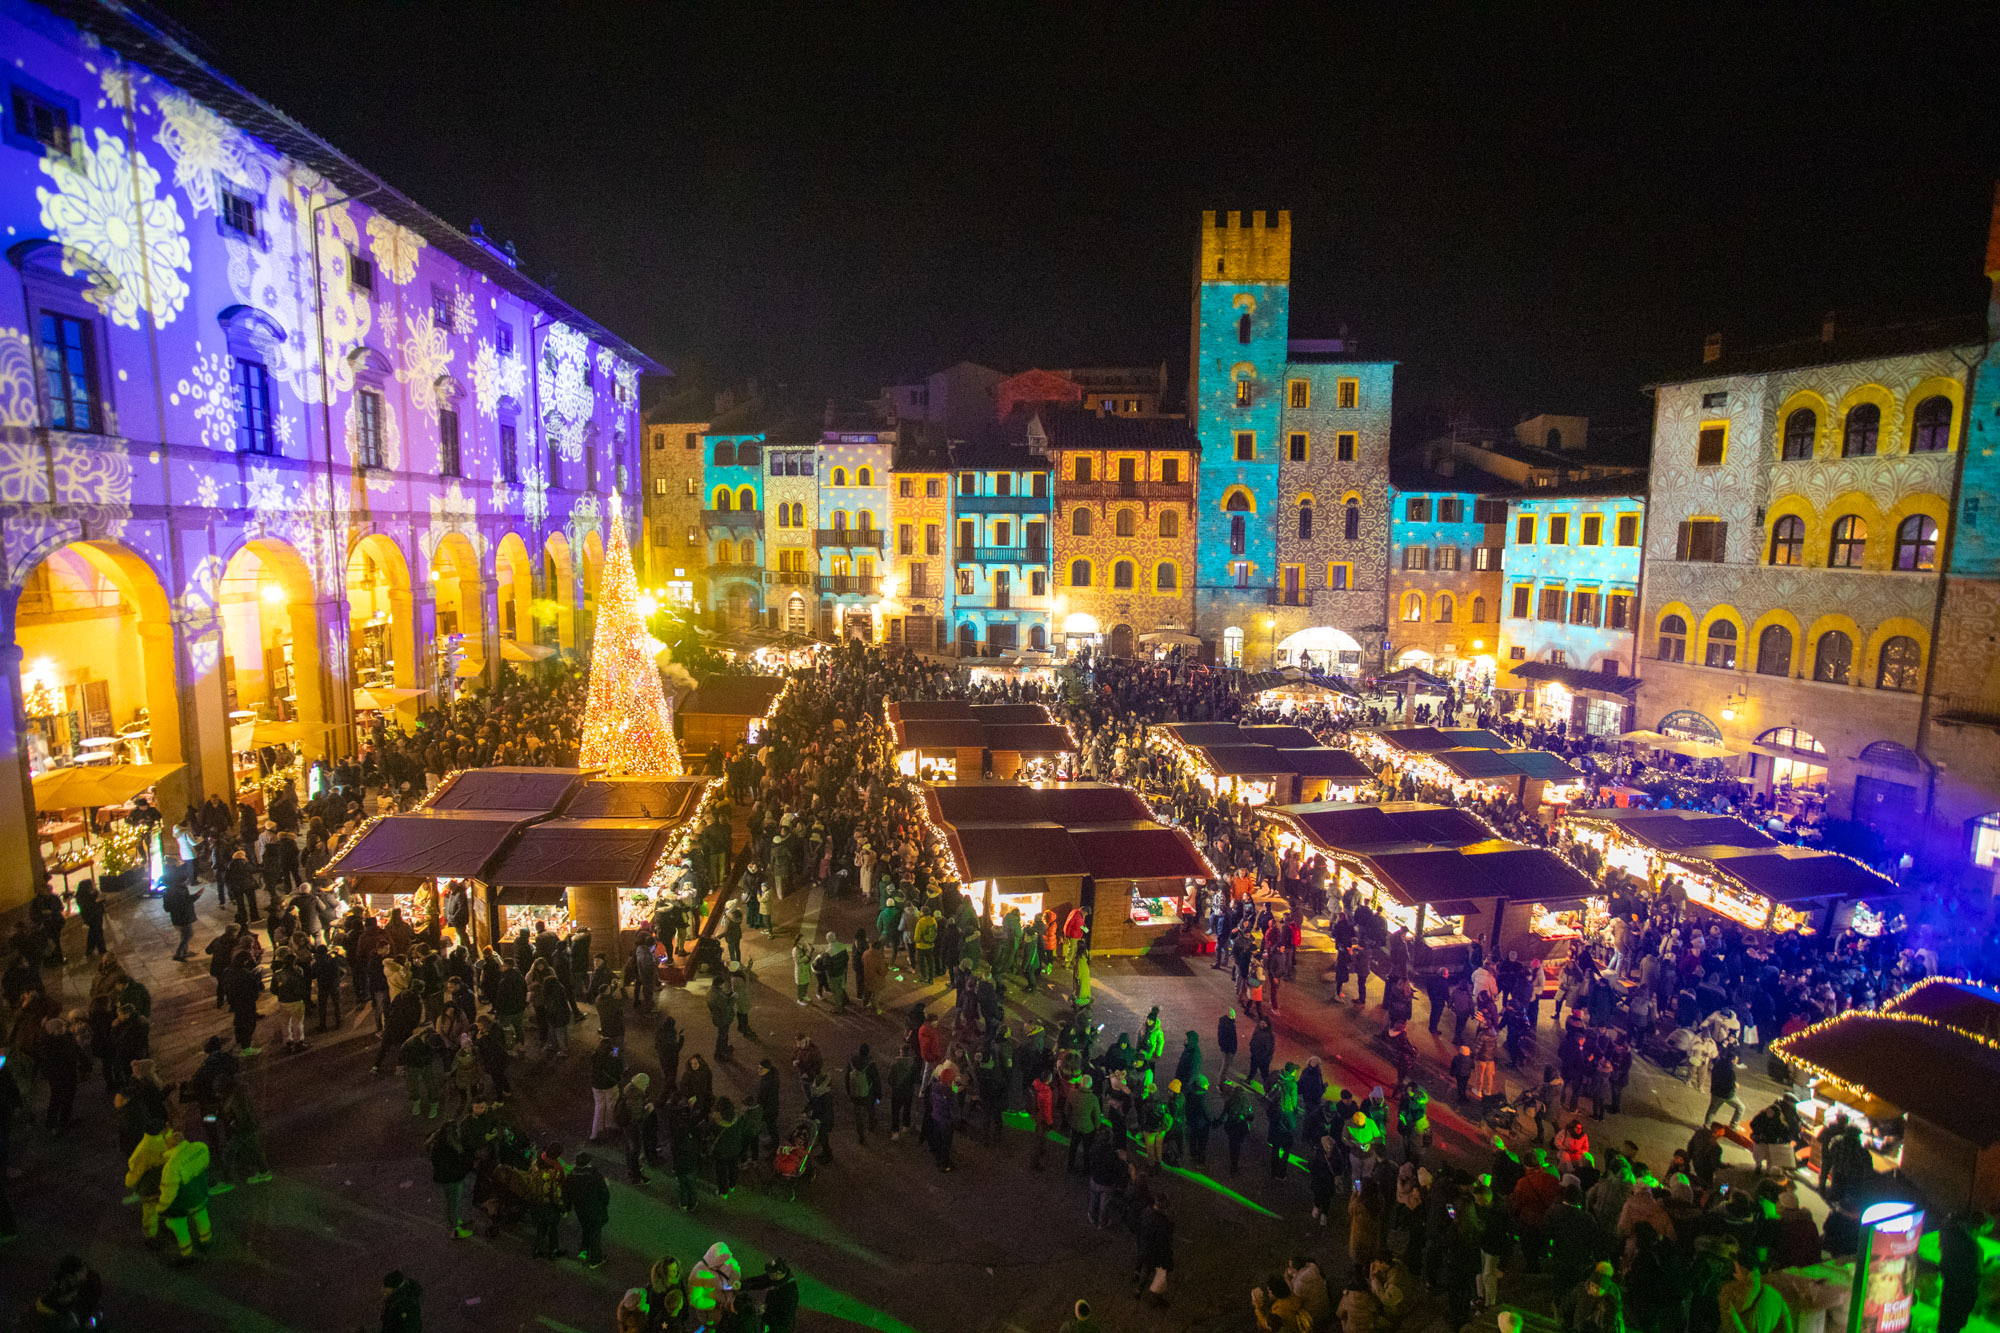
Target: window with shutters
(1702, 541)
(1584, 607)
(1417, 509)
(1170, 471)
(1416, 557)
(1451, 509)
(1297, 447)
(1121, 574)
(1489, 511)
(1447, 559)
(1128, 522)
(1711, 445)
(1524, 530)
(1486, 558)
(1351, 520)
(1170, 523)
(1350, 393)
(1593, 530)
(1300, 394)
(906, 539)
(1413, 606)
(1559, 530)
(1339, 575)
(1479, 610)
(933, 539)
(1523, 594)
(1343, 447)
(1628, 529)
(40, 119)
(1618, 610)
(1305, 518)
(1551, 605)
(1079, 522)
(369, 447)
(1246, 446)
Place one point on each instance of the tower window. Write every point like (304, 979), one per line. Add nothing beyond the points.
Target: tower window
(1243, 393)
(1350, 393)
(1298, 446)
(1300, 393)
(1243, 328)
(1246, 445)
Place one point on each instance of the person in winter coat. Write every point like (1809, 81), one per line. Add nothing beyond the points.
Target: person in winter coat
(1225, 1043)
(451, 1163)
(548, 1200)
(590, 1195)
(1156, 1251)
(1263, 1045)
(183, 1198)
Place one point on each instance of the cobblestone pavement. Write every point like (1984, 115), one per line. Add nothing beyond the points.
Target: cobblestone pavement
(880, 1237)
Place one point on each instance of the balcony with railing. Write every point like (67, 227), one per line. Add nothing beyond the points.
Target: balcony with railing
(732, 518)
(1289, 596)
(740, 573)
(1001, 504)
(1001, 555)
(1115, 489)
(794, 578)
(848, 538)
(850, 585)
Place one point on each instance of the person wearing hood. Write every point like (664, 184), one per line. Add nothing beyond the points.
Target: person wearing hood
(713, 1283)
(590, 1196)
(836, 971)
(183, 1199)
(631, 1113)
(780, 1296)
(634, 1313)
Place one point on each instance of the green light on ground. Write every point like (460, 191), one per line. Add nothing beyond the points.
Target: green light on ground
(1209, 1182)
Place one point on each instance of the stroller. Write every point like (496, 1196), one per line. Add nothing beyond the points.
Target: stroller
(794, 1162)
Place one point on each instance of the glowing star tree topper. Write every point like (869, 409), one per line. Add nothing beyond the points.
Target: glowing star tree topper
(628, 724)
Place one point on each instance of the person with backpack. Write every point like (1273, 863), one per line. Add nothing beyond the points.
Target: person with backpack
(590, 1195)
(178, 900)
(548, 1200)
(631, 1113)
(864, 1092)
(451, 1163)
(421, 1059)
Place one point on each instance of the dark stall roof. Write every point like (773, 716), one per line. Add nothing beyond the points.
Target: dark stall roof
(1531, 874)
(1017, 851)
(637, 798)
(1477, 765)
(1139, 851)
(940, 734)
(1010, 714)
(1435, 876)
(734, 696)
(429, 844)
(1069, 803)
(1958, 1004)
(1545, 765)
(1279, 737)
(1792, 875)
(1898, 1061)
(1673, 830)
(1416, 740)
(1029, 738)
(1475, 738)
(584, 852)
(1322, 762)
(538, 896)
(533, 790)
(1232, 761)
(931, 709)
(1204, 733)
(1443, 825)
(1352, 826)
(1577, 678)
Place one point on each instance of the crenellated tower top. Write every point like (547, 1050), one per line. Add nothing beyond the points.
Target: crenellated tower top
(1260, 252)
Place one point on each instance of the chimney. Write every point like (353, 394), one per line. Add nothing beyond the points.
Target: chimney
(1447, 466)
(1711, 350)
(1826, 327)
(831, 413)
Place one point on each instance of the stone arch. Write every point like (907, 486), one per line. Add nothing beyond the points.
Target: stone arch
(1720, 614)
(316, 700)
(514, 576)
(593, 573)
(1753, 645)
(559, 590)
(1868, 653)
(1814, 402)
(1235, 493)
(458, 590)
(381, 612)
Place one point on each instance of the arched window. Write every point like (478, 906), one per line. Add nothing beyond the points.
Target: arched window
(723, 501)
(1237, 503)
(1774, 651)
(1849, 544)
(723, 550)
(1445, 608)
(968, 635)
(866, 518)
(1721, 650)
(1305, 519)
(840, 476)
(1128, 523)
(1801, 428)
(746, 499)
(1079, 522)
(1788, 541)
(865, 477)
(1238, 534)
(1167, 578)
(1673, 639)
(1930, 426)
(798, 514)
(1351, 520)
(1170, 523)
(1232, 647)
(1916, 543)
(725, 454)
(1121, 574)
(1413, 606)
(1479, 610)
(784, 516)
(1898, 667)
(1833, 659)
(1079, 574)
(1554, 439)
(1864, 427)
(1243, 328)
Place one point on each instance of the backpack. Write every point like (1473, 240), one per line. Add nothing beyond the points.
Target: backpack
(860, 1087)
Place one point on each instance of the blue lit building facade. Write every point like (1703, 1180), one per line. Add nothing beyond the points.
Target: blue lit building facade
(733, 481)
(1001, 505)
(1447, 543)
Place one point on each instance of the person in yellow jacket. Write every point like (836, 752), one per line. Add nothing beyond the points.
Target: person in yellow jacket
(142, 1176)
(184, 1192)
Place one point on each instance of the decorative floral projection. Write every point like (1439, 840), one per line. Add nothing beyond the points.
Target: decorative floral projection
(426, 355)
(584, 517)
(18, 404)
(142, 252)
(464, 311)
(396, 248)
(208, 387)
(495, 377)
(452, 510)
(205, 149)
(348, 315)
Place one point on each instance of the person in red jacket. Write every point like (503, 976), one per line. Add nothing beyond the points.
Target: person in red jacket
(1537, 1192)
(1072, 937)
(1042, 1107)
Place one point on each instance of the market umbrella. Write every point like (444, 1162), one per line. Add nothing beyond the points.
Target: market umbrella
(468, 667)
(286, 733)
(512, 650)
(1700, 749)
(1646, 737)
(69, 788)
(382, 698)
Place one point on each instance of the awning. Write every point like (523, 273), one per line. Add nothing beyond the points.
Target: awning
(1797, 875)
(513, 650)
(918, 710)
(382, 698)
(578, 853)
(734, 696)
(1576, 678)
(1530, 874)
(1030, 738)
(1066, 803)
(1416, 740)
(1236, 761)
(88, 785)
(429, 844)
(1475, 738)
(1203, 733)
(994, 715)
(1018, 851)
(940, 735)
(637, 798)
(514, 896)
(1416, 676)
(1139, 851)
(1934, 1073)
(1455, 907)
(540, 791)
(1434, 876)
(1279, 737)
(1321, 762)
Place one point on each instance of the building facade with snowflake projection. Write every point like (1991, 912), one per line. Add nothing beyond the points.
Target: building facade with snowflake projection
(270, 433)
(1800, 516)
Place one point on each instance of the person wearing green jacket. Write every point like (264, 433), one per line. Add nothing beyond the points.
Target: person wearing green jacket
(926, 939)
(802, 966)
(184, 1192)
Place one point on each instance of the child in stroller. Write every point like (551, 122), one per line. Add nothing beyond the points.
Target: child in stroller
(794, 1162)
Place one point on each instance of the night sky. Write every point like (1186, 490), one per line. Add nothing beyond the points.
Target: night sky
(1530, 210)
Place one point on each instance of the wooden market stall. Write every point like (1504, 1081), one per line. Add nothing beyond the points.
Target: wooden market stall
(952, 739)
(1925, 1095)
(725, 710)
(1260, 765)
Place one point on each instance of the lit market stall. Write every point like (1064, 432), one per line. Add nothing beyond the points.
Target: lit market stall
(726, 710)
(1883, 1070)
(402, 860)
(1051, 846)
(1728, 866)
(1270, 765)
(1472, 762)
(951, 739)
(1291, 690)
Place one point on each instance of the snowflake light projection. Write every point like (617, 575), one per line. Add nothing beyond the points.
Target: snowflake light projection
(396, 248)
(495, 377)
(566, 399)
(108, 206)
(18, 403)
(348, 314)
(208, 385)
(205, 149)
(427, 355)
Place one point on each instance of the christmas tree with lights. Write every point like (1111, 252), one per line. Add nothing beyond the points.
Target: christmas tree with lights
(628, 724)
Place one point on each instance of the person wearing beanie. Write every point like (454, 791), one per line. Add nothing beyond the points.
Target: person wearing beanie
(631, 1113)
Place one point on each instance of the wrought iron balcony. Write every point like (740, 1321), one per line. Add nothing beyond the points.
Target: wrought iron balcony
(873, 538)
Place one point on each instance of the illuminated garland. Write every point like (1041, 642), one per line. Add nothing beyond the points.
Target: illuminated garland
(1782, 1046)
